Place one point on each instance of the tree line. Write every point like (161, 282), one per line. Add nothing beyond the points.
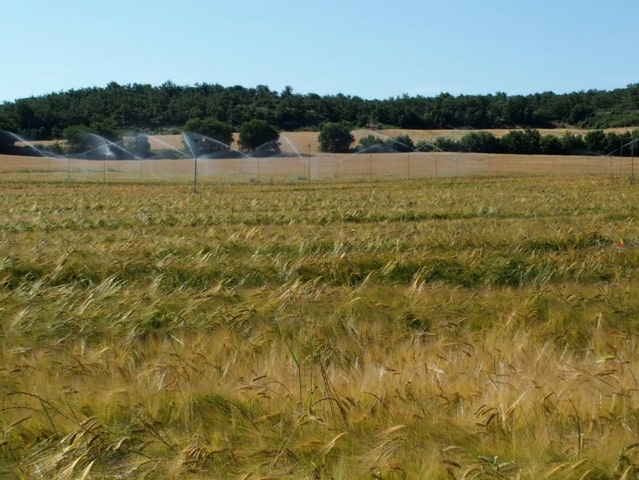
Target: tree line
(527, 141)
(165, 108)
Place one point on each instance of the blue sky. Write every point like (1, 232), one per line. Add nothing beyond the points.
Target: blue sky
(365, 48)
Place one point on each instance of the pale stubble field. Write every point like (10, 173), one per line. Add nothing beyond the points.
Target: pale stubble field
(295, 163)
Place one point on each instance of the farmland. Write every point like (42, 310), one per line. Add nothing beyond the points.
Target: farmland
(301, 160)
(445, 326)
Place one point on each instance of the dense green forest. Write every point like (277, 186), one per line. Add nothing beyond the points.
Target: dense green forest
(259, 113)
(142, 107)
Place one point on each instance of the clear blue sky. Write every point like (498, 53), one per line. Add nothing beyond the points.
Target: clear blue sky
(366, 48)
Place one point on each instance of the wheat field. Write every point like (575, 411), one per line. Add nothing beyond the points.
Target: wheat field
(441, 327)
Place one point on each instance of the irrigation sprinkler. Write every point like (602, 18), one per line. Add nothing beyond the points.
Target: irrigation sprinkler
(632, 159)
(195, 167)
(258, 169)
(309, 163)
(370, 168)
(632, 162)
(104, 168)
(630, 144)
(68, 168)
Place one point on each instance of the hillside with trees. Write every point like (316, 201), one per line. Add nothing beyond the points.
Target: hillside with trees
(217, 111)
(158, 108)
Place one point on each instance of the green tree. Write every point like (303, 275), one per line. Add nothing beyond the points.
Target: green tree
(596, 141)
(75, 138)
(370, 143)
(572, 143)
(521, 141)
(550, 145)
(579, 113)
(106, 129)
(447, 145)
(335, 137)
(92, 145)
(138, 145)
(6, 140)
(208, 135)
(401, 143)
(28, 119)
(260, 137)
(614, 141)
(480, 142)
(211, 127)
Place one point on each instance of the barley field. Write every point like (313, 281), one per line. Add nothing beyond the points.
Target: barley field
(458, 327)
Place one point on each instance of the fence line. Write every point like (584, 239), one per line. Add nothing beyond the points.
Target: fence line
(317, 167)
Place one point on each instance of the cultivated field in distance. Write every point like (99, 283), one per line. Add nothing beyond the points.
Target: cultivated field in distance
(301, 160)
(457, 327)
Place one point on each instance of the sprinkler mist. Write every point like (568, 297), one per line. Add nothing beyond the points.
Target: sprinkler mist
(191, 144)
(194, 173)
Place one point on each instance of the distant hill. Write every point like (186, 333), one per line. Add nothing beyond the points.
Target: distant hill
(166, 108)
